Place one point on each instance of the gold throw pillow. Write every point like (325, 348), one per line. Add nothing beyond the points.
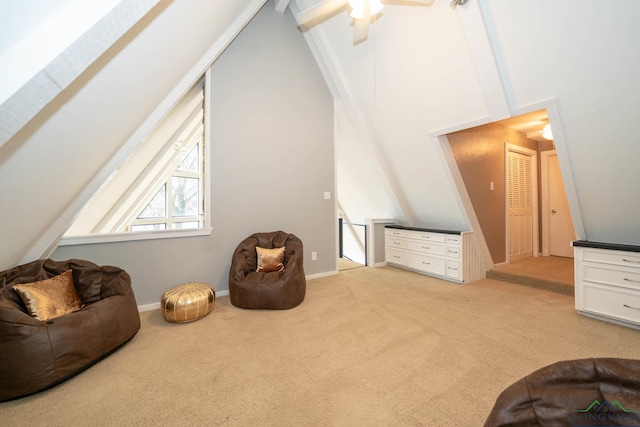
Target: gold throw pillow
(270, 259)
(50, 298)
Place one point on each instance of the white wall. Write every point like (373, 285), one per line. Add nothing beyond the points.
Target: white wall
(52, 159)
(415, 76)
(584, 53)
(272, 160)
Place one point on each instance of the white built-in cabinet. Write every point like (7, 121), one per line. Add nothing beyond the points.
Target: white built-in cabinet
(445, 254)
(607, 281)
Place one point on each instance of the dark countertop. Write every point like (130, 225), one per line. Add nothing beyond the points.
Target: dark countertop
(430, 230)
(601, 245)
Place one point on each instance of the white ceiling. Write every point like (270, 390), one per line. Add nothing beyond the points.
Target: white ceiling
(530, 124)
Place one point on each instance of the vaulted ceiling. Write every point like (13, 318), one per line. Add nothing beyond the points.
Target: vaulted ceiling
(423, 72)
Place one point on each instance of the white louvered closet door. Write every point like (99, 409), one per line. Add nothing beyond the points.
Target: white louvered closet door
(519, 206)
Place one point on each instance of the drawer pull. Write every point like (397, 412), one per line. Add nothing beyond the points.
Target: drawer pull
(396, 257)
(426, 263)
(630, 260)
(451, 268)
(396, 243)
(631, 280)
(628, 306)
(426, 247)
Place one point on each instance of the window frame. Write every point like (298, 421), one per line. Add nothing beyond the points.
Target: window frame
(206, 228)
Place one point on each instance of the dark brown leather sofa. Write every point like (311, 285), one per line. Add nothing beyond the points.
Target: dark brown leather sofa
(584, 392)
(276, 290)
(35, 355)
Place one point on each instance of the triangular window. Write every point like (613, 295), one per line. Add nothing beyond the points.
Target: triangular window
(161, 185)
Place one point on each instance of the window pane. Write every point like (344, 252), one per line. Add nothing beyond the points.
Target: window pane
(148, 227)
(187, 225)
(157, 206)
(190, 162)
(186, 196)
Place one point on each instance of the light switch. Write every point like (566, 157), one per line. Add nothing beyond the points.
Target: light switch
(491, 187)
(327, 195)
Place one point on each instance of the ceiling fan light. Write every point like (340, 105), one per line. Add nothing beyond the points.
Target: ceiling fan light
(357, 13)
(358, 8)
(375, 7)
(546, 132)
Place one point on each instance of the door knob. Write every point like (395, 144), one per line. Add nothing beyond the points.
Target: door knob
(554, 211)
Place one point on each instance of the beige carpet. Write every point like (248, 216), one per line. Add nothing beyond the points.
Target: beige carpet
(550, 273)
(368, 347)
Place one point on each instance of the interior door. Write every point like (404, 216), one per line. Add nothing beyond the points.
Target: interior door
(519, 205)
(560, 232)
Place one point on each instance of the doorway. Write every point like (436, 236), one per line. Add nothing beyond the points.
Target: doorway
(557, 228)
(521, 202)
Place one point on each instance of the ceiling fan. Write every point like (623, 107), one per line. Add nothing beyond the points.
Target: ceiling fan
(363, 12)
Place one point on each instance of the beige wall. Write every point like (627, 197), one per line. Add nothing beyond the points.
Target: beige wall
(479, 153)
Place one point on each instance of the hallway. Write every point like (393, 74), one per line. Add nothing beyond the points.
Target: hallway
(553, 274)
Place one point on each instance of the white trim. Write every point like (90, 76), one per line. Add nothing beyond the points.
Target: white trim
(544, 197)
(148, 307)
(53, 78)
(49, 240)
(207, 149)
(91, 239)
(484, 61)
(319, 275)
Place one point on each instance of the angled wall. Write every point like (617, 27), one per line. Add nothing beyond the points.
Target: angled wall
(50, 162)
(272, 161)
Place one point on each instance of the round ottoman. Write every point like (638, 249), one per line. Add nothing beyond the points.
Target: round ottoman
(187, 302)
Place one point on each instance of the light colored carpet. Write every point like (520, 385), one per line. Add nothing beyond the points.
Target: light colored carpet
(368, 347)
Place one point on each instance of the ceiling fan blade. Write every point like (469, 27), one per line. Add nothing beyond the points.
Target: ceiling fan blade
(409, 2)
(313, 16)
(361, 31)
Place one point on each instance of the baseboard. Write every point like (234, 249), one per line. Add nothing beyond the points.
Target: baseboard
(156, 305)
(149, 307)
(319, 275)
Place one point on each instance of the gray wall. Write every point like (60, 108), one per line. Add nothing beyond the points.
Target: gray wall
(272, 161)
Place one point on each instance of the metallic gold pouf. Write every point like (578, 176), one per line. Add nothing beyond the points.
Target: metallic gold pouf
(187, 302)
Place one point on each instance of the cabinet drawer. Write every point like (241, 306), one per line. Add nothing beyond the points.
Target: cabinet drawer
(453, 270)
(394, 242)
(396, 256)
(427, 263)
(453, 252)
(613, 302)
(628, 259)
(453, 239)
(427, 237)
(426, 247)
(392, 232)
(628, 278)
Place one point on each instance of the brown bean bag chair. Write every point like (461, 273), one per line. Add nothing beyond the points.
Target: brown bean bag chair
(36, 354)
(272, 290)
(585, 392)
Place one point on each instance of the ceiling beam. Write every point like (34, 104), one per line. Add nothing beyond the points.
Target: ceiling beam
(49, 82)
(281, 5)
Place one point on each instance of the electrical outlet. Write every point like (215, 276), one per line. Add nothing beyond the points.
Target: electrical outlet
(314, 256)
